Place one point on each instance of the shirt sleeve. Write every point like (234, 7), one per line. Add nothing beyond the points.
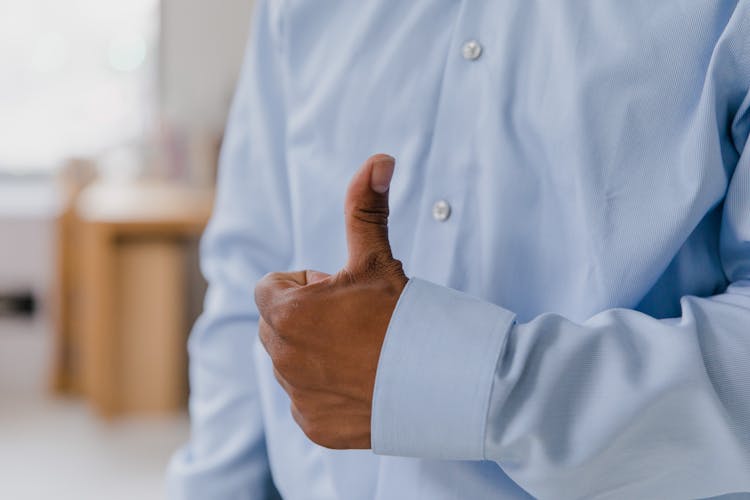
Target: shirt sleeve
(247, 237)
(623, 405)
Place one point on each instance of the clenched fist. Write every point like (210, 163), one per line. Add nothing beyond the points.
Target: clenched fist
(324, 332)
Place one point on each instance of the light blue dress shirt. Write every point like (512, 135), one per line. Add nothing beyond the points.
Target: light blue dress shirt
(572, 204)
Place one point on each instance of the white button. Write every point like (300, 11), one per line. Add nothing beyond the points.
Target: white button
(472, 50)
(441, 210)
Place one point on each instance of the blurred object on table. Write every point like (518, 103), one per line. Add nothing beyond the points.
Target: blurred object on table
(190, 155)
(17, 304)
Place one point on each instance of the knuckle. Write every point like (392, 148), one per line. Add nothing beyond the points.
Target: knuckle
(279, 377)
(265, 283)
(265, 334)
(376, 215)
(260, 296)
(282, 316)
(310, 426)
(265, 292)
(272, 276)
(274, 346)
(283, 363)
(294, 393)
(299, 416)
(316, 434)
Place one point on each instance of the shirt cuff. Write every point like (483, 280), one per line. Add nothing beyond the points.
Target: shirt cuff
(435, 373)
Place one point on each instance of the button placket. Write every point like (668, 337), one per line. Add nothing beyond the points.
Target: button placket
(446, 184)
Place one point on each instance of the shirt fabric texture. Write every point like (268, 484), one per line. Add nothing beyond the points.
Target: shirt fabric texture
(577, 327)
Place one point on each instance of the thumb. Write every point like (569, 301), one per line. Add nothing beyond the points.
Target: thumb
(366, 211)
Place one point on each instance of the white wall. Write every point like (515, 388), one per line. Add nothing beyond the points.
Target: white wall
(27, 246)
(27, 242)
(201, 52)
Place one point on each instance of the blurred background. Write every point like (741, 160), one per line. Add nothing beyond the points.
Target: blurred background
(111, 118)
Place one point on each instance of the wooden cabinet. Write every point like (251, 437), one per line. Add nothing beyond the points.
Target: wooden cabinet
(137, 264)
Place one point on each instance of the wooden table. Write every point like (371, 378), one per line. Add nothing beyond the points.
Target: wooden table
(136, 258)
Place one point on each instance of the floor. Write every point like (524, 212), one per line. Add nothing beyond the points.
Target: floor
(57, 449)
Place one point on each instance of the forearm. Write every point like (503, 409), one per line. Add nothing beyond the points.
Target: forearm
(226, 455)
(572, 410)
(626, 401)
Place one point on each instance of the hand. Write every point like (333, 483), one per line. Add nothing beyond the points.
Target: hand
(324, 332)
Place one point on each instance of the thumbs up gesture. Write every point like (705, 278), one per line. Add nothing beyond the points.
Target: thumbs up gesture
(324, 332)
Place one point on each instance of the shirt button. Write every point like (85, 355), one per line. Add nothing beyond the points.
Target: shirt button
(441, 210)
(471, 50)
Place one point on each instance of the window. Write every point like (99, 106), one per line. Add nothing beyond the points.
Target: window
(77, 77)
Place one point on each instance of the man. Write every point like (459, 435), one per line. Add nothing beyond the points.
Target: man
(571, 205)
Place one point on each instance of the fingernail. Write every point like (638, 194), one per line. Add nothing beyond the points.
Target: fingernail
(382, 173)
